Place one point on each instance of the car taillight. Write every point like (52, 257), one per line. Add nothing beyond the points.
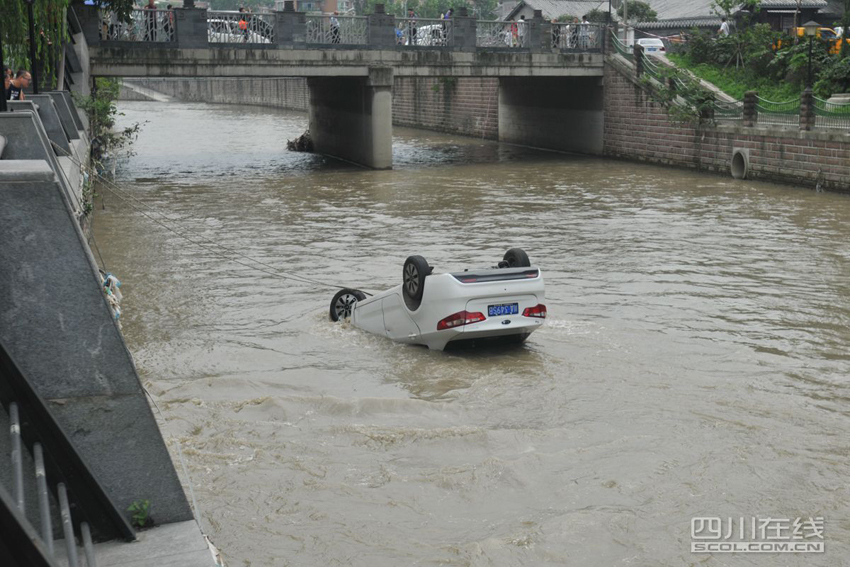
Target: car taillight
(538, 310)
(460, 319)
(663, 49)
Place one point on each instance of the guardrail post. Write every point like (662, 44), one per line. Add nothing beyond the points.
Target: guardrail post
(807, 110)
(381, 28)
(290, 27)
(192, 28)
(751, 114)
(536, 35)
(638, 56)
(465, 30)
(89, 17)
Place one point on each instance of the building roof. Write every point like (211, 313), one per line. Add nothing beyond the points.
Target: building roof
(700, 10)
(681, 23)
(554, 8)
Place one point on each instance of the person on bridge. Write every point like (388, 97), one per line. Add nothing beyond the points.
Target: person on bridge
(411, 27)
(150, 21)
(335, 36)
(17, 85)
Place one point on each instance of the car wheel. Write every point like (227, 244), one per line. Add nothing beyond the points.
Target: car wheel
(517, 258)
(342, 305)
(413, 280)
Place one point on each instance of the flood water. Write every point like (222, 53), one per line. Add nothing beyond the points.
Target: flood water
(694, 362)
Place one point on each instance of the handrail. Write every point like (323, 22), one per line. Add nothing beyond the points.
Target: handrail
(62, 462)
(20, 541)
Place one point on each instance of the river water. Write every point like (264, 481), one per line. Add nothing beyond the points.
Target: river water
(694, 362)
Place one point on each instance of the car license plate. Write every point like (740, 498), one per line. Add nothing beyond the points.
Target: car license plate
(503, 309)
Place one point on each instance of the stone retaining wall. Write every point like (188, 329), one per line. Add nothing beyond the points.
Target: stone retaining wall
(638, 128)
(468, 106)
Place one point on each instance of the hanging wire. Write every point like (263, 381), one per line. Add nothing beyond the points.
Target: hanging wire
(198, 240)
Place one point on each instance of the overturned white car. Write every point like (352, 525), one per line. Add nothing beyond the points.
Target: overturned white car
(502, 303)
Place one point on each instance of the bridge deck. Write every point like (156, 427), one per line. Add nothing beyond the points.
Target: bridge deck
(117, 60)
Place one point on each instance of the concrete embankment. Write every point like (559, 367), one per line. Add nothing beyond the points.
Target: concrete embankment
(639, 128)
(58, 326)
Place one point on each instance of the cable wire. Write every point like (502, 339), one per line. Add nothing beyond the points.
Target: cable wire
(144, 209)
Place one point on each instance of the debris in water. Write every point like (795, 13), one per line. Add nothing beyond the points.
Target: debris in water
(303, 143)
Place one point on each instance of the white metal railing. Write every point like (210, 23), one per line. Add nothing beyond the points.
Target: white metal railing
(144, 25)
(342, 30)
(577, 36)
(501, 34)
(423, 32)
(240, 27)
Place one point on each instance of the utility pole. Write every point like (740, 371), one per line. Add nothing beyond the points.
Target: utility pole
(34, 70)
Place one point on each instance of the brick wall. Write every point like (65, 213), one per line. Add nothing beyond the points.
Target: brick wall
(638, 128)
(468, 106)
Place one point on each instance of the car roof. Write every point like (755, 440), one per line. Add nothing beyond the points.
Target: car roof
(650, 40)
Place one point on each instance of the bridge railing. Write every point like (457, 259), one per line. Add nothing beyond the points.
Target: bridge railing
(239, 27)
(196, 28)
(577, 37)
(498, 34)
(424, 32)
(341, 30)
(144, 25)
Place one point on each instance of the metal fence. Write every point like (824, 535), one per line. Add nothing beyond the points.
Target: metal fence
(577, 37)
(786, 113)
(621, 48)
(239, 27)
(342, 30)
(730, 111)
(423, 32)
(501, 34)
(831, 114)
(144, 25)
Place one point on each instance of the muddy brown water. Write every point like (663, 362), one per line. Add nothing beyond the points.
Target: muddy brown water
(694, 362)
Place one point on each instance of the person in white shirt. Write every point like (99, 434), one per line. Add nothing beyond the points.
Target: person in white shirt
(724, 27)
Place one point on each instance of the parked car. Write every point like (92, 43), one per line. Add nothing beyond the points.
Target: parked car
(652, 46)
(224, 30)
(501, 303)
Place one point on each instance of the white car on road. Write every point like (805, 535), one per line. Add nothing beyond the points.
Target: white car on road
(652, 46)
(504, 303)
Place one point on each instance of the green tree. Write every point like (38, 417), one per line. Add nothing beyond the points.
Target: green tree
(638, 11)
(597, 16)
(723, 8)
(50, 36)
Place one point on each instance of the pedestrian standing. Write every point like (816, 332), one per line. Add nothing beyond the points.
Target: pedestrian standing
(335, 36)
(150, 21)
(724, 27)
(521, 31)
(17, 85)
(411, 27)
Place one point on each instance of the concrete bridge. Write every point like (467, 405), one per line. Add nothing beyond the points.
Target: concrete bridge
(548, 73)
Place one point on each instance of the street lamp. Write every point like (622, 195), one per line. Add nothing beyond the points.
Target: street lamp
(33, 71)
(811, 29)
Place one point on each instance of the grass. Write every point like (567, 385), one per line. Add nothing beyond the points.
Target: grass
(735, 82)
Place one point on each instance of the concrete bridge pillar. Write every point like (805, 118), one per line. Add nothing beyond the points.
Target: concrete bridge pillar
(290, 26)
(381, 28)
(351, 118)
(555, 113)
(191, 27)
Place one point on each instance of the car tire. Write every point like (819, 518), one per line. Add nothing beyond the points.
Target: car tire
(342, 305)
(413, 275)
(517, 258)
